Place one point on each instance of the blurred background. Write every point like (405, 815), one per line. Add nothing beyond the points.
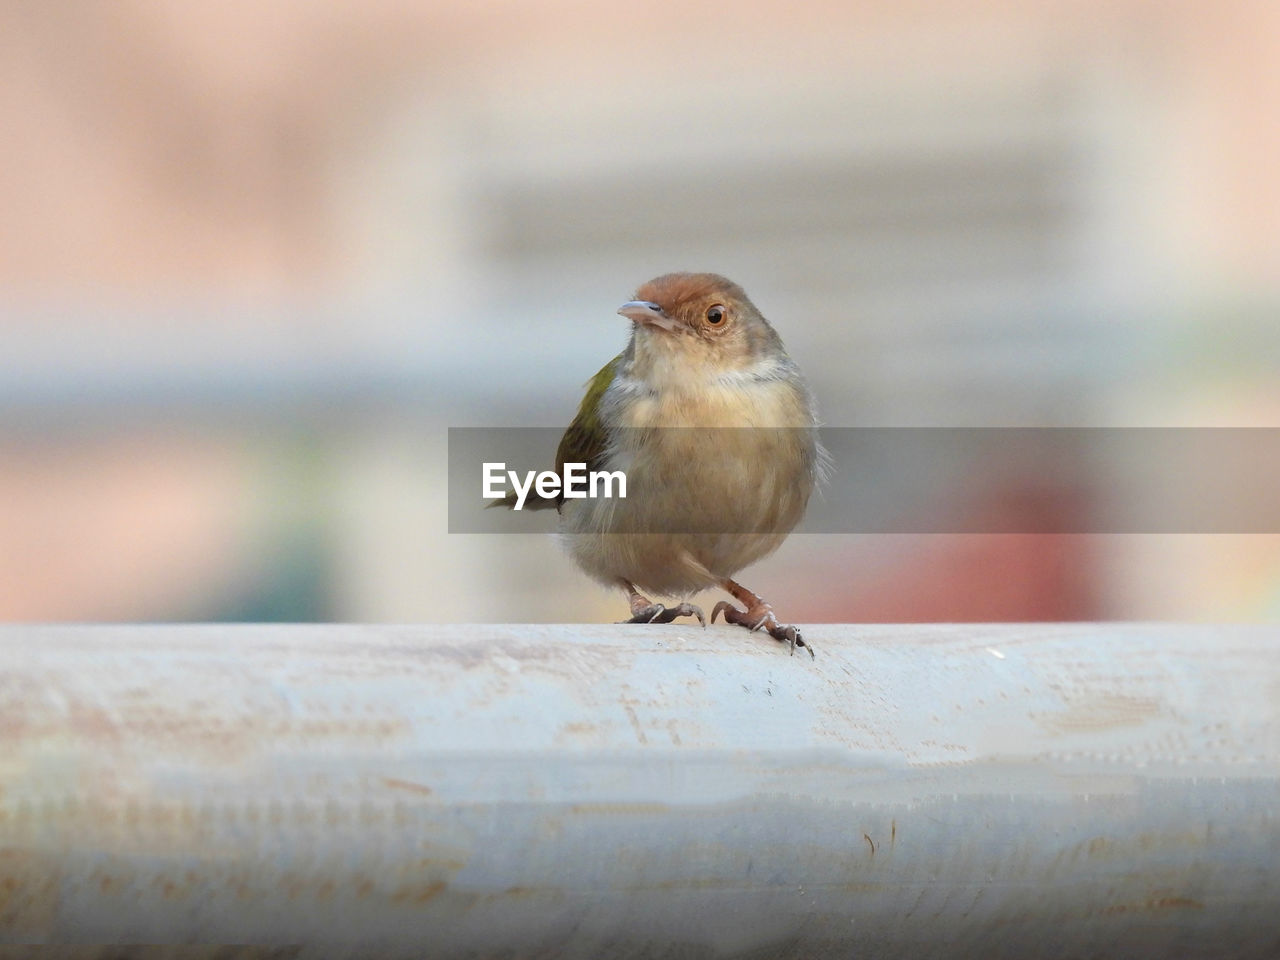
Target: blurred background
(256, 258)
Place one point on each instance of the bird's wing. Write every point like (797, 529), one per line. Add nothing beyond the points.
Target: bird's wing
(585, 439)
(583, 442)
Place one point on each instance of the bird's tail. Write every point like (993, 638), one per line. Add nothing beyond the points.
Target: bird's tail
(531, 502)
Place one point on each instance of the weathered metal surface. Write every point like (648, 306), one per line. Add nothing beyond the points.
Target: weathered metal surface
(588, 791)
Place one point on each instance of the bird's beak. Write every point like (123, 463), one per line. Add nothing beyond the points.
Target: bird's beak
(648, 313)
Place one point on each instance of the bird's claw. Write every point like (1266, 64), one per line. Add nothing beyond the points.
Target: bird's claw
(761, 618)
(659, 613)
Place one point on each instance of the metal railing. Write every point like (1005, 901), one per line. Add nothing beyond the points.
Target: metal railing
(586, 791)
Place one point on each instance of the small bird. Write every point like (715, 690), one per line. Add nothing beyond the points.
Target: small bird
(714, 427)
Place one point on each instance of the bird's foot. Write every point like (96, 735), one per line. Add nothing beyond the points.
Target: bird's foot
(759, 616)
(644, 610)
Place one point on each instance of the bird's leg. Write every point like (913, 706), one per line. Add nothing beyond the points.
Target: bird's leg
(757, 616)
(644, 610)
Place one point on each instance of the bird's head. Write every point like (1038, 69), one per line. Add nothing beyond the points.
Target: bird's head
(688, 324)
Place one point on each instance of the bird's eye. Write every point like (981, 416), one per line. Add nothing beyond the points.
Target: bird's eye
(715, 314)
